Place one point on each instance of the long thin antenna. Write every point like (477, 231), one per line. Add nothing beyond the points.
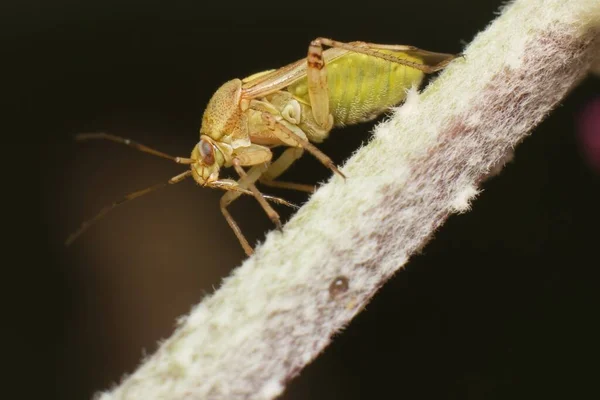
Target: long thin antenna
(222, 184)
(131, 143)
(86, 224)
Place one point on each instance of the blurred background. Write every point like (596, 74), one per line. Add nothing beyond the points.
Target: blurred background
(500, 304)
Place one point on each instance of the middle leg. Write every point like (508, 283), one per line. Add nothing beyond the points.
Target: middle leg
(292, 139)
(287, 158)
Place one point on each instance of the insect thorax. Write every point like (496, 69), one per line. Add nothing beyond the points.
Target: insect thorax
(222, 114)
(298, 116)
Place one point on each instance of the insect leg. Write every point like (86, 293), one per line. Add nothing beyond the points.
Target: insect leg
(236, 229)
(271, 213)
(258, 156)
(247, 180)
(436, 61)
(279, 166)
(133, 144)
(371, 50)
(286, 134)
(316, 74)
(233, 186)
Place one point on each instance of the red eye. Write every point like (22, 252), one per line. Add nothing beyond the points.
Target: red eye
(207, 152)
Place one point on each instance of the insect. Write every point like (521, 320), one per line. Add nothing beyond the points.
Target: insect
(294, 106)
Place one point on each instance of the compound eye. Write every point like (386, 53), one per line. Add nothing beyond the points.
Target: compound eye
(207, 152)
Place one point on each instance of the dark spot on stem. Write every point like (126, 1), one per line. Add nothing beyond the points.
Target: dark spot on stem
(338, 286)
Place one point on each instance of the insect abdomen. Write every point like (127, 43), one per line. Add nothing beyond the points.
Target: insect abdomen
(362, 87)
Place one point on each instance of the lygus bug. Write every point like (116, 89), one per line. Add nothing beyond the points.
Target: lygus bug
(293, 106)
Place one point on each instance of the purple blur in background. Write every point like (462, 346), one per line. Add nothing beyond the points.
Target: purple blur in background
(589, 133)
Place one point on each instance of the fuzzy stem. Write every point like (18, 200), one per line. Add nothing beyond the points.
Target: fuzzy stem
(277, 311)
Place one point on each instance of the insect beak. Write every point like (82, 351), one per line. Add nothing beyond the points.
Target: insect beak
(212, 178)
(203, 174)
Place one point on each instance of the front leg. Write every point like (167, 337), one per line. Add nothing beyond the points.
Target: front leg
(248, 181)
(258, 156)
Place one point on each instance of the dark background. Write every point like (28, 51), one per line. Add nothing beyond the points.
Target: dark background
(502, 303)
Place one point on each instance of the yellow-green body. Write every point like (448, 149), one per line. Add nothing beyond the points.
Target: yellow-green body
(297, 105)
(293, 106)
(361, 87)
